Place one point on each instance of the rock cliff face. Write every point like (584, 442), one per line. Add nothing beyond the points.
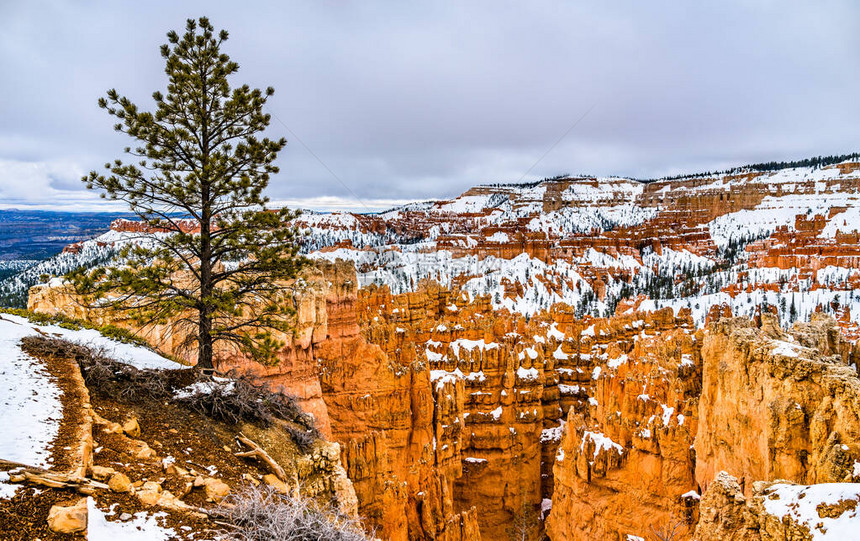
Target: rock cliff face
(625, 465)
(777, 405)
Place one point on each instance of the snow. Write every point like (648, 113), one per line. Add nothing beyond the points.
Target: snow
(545, 507)
(29, 399)
(532, 354)
(847, 221)
(786, 349)
(205, 387)
(473, 460)
(800, 502)
(471, 345)
(469, 203)
(601, 442)
(7, 490)
(496, 414)
(616, 362)
(476, 377)
(570, 221)
(137, 356)
(559, 355)
(528, 374)
(142, 527)
(553, 332)
(552, 434)
(667, 414)
(568, 389)
(778, 211)
(596, 372)
(692, 494)
(441, 377)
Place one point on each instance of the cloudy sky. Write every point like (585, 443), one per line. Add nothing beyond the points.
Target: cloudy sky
(421, 100)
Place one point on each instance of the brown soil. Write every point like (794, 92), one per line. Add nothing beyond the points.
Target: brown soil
(25, 516)
(65, 445)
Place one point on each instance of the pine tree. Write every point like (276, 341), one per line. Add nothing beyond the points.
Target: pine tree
(222, 272)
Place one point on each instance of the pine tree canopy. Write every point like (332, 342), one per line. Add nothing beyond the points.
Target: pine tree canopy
(221, 263)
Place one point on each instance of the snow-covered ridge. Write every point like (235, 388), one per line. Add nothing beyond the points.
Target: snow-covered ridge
(589, 242)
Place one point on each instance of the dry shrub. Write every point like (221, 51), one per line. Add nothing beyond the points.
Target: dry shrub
(262, 514)
(240, 398)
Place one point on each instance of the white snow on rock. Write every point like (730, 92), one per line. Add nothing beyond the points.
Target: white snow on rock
(545, 507)
(552, 434)
(601, 442)
(800, 503)
(786, 349)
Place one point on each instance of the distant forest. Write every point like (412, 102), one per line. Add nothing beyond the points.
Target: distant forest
(818, 161)
(815, 162)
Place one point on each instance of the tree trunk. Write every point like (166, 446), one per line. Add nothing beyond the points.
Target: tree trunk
(204, 343)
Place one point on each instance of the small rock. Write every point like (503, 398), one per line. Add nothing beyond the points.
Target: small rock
(125, 517)
(151, 485)
(132, 428)
(199, 481)
(119, 482)
(147, 498)
(100, 473)
(216, 489)
(68, 519)
(273, 481)
(185, 489)
(141, 450)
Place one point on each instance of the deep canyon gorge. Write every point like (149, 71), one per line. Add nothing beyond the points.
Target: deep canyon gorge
(581, 358)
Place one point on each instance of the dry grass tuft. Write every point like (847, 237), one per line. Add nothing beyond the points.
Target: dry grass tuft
(262, 514)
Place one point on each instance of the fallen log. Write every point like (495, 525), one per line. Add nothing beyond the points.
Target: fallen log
(23, 473)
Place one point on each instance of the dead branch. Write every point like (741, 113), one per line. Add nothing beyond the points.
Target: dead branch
(258, 453)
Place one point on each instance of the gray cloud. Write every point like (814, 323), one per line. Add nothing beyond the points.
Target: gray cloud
(413, 102)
